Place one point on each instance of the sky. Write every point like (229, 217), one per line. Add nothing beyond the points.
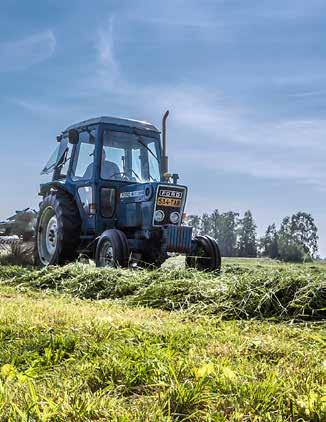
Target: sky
(244, 81)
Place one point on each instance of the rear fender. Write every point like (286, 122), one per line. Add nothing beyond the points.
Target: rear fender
(46, 188)
(70, 190)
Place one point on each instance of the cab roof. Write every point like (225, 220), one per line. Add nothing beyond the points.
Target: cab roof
(115, 121)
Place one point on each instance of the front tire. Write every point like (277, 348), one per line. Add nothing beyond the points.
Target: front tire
(58, 230)
(205, 255)
(112, 250)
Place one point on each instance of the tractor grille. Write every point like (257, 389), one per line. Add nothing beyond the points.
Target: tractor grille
(170, 199)
(177, 238)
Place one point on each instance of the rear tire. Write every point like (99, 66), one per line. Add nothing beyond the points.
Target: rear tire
(205, 255)
(112, 250)
(58, 230)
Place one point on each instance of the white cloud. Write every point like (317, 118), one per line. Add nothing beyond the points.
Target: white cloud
(227, 140)
(23, 53)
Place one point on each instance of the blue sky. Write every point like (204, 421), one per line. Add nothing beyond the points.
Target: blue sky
(245, 82)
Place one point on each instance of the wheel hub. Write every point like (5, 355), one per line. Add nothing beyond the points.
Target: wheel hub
(48, 236)
(51, 235)
(106, 255)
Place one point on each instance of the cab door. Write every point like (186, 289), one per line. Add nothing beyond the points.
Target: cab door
(83, 174)
(109, 166)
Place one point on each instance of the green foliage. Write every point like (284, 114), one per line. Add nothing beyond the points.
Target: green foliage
(221, 226)
(269, 243)
(301, 229)
(225, 230)
(295, 241)
(247, 236)
(290, 250)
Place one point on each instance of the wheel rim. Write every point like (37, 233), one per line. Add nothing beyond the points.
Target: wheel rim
(106, 258)
(205, 258)
(47, 239)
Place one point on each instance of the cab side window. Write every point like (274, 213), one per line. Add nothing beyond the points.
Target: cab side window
(84, 157)
(66, 160)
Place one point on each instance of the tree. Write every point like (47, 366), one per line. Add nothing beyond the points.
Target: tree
(269, 243)
(215, 224)
(290, 250)
(195, 222)
(227, 236)
(247, 246)
(206, 225)
(297, 239)
(301, 230)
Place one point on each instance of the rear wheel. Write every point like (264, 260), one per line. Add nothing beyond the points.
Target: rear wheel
(57, 231)
(112, 249)
(205, 255)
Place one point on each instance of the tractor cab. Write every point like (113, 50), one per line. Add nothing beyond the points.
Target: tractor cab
(109, 149)
(98, 158)
(111, 175)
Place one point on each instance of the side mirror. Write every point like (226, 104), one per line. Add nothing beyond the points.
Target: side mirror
(175, 178)
(73, 136)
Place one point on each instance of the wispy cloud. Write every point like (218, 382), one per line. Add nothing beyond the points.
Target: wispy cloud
(293, 9)
(316, 93)
(108, 68)
(235, 140)
(177, 21)
(23, 53)
(35, 107)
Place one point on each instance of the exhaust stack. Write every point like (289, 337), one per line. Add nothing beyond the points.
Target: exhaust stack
(165, 163)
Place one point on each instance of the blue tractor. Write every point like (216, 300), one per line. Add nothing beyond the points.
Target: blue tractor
(111, 197)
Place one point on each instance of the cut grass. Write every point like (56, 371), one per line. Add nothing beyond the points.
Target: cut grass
(70, 359)
(241, 291)
(80, 344)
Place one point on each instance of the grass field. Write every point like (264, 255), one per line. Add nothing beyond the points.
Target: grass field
(78, 343)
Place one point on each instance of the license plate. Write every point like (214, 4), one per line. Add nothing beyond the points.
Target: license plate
(169, 202)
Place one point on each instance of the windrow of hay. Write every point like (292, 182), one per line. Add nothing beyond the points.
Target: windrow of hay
(239, 292)
(16, 253)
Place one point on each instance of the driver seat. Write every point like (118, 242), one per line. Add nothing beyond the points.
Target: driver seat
(109, 170)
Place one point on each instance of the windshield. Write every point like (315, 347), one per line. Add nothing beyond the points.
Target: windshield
(58, 157)
(130, 157)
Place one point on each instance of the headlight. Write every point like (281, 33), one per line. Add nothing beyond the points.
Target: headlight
(159, 216)
(175, 217)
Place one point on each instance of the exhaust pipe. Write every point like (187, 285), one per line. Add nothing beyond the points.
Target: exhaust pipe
(165, 163)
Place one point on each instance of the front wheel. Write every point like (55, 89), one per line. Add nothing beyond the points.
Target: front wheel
(205, 254)
(112, 249)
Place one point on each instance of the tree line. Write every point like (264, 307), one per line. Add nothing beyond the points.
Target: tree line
(295, 240)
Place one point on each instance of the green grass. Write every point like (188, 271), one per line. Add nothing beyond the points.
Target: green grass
(78, 343)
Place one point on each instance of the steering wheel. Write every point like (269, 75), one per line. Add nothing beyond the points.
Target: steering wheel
(125, 176)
